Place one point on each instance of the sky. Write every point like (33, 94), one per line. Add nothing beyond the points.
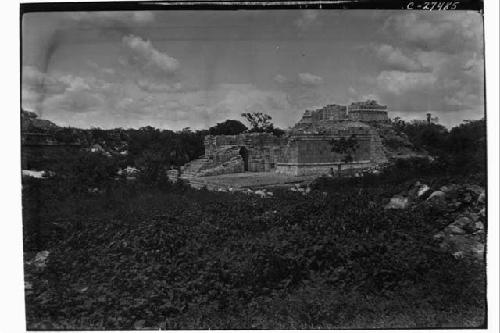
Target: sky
(178, 69)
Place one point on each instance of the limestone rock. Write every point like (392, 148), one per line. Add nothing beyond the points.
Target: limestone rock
(418, 190)
(454, 229)
(481, 198)
(475, 189)
(474, 216)
(478, 251)
(423, 188)
(437, 195)
(439, 235)
(449, 188)
(482, 212)
(40, 260)
(260, 192)
(462, 221)
(397, 202)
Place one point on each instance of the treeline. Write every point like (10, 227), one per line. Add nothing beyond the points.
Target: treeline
(103, 152)
(460, 150)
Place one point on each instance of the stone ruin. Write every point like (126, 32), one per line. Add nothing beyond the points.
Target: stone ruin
(304, 149)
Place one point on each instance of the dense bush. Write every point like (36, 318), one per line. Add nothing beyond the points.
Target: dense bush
(180, 258)
(461, 150)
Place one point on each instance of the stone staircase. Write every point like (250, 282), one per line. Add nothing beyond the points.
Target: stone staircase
(192, 168)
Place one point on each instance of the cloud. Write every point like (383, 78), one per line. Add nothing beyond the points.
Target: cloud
(76, 101)
(87, 101)
(150, 86)
(307, 19)
(438, 31)
(43, 33)
(111, 18)
(310, 79)
(395, 58)
(430, 61)
(280, 78)
(33, 79)
(399, 82)
(143, 55)
(302, 91)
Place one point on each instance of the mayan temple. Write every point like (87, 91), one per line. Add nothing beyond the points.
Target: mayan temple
(305, 149)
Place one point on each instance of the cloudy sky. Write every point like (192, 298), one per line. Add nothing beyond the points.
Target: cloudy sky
(176, 69)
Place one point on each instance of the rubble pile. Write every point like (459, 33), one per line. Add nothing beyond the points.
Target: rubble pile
(463, 205)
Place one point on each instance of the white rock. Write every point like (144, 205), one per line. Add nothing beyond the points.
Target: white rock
(458, 255)
(479, 225)
(422, 190)
(462, 221)
(436, 195)
(482, 197)
(449, 188)
(33, 173)
(260, 192)
(397, 202)
(439, 235)
(474, 217)
(482, 212)
(40, 260)
(455, 229)
(478, 251)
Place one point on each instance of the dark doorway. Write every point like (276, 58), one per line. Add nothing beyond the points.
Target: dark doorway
(244, 155)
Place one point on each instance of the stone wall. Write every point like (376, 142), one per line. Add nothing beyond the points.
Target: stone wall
(301, 152)
(304, 169)
(263, 149)
(235, 165)
(368, 115)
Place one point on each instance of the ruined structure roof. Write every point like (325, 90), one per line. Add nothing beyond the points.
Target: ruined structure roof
(367, 105)
(327, 127)
(367, 111)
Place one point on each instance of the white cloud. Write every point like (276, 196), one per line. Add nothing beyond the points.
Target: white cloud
(150, 86)
(143, 55)
(439, 31)
(399, 82)
(310, 79)
(280, 78)
(111, 18)
(307, 19)
(395, 58)
(431, 61)
(33, 79)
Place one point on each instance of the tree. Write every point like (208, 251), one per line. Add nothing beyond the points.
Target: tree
(228, 127)
(259, 121)
(346, 147)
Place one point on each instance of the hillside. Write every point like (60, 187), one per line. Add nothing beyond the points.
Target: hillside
(31, 122)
